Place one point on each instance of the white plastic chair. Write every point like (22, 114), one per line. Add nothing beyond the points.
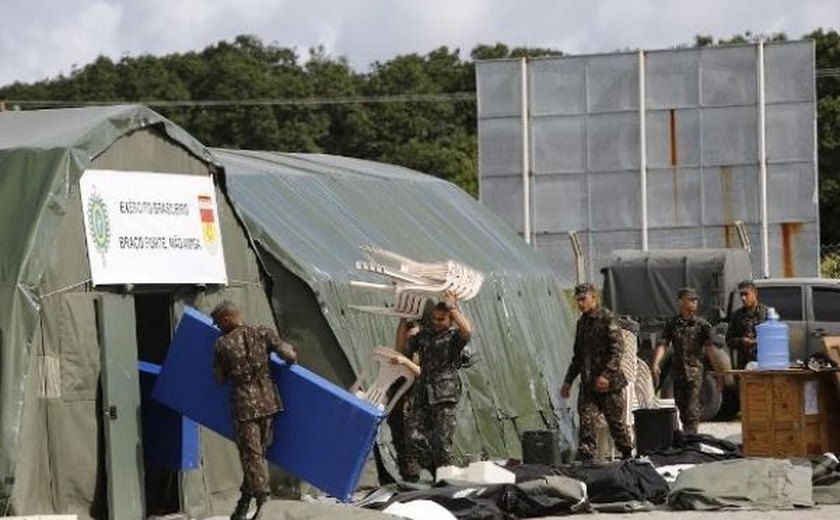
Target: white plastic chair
(388, 373)
(412, 283)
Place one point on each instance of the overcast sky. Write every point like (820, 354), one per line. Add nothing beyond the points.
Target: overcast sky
(44, 38)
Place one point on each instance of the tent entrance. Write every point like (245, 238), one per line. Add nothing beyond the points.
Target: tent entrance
(153, 316)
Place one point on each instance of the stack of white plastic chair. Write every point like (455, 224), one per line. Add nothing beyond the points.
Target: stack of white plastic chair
(412, 283)
(388, 373)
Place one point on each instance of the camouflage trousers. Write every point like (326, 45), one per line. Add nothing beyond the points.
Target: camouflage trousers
(687, 388)
(253, 439)
(427, 439)
(590, 406)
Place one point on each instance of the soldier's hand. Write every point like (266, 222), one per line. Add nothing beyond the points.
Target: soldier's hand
(602, 384)
(566, 390)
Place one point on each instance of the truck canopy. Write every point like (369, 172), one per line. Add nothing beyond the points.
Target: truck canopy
(644, 283)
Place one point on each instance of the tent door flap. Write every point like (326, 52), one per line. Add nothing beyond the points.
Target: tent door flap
(121, 404)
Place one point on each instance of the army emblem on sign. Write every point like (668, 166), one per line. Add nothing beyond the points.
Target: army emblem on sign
(99, 224)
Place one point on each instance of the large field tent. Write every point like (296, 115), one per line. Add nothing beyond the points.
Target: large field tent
(308, 214)
(53, 453)
(73, 331)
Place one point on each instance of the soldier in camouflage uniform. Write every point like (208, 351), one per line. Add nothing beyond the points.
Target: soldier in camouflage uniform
(740, 336)
(430, 418)
(597, 360)
(690, 336)
(241, 358)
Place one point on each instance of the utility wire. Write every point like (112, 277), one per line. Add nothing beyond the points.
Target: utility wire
(453, 97)
(352, 100)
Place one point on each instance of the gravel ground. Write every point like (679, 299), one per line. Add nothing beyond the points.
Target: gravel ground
(730, 431)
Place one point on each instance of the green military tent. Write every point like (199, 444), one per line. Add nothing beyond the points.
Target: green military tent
(307, 215)
(53, 454)
(291, 226)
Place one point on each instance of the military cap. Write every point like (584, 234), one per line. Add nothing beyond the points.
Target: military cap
(746, 284)
(583, 288)
(687, 292)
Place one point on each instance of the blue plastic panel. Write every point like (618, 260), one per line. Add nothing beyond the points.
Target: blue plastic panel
(170, 440)
(324, 435)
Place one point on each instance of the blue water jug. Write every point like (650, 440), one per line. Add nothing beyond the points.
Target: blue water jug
(773, 343)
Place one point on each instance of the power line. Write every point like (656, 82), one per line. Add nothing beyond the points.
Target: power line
(350, 100)
(452, 97)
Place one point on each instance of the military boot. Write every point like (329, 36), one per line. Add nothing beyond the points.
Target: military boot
(262, 498)
(241, 511)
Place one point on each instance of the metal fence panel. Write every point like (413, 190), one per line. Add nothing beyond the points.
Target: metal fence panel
(613, 82)
(560, 202)
(499, 87)
(614, 201)
(613, 141)
(790, 132)
(673, 138)
(558, 87)
(672, 79)
(701, 129)
(500, 147)
(559, 144)
(728, 76)
(789, 72)
(674, 197)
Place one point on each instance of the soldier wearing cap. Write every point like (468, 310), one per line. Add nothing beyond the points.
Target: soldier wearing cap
(597, 360)
(740, 336)
(690, 336)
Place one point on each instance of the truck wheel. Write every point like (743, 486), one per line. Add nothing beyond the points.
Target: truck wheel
(731, 401)
(711, 398)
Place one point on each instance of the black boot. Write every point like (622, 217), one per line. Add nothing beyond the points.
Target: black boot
(262, 498)
(241, 511)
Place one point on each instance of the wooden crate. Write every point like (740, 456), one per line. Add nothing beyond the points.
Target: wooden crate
(791, 413)
(831, 349)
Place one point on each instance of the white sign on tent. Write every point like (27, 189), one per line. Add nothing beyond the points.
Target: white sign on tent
(152, 228)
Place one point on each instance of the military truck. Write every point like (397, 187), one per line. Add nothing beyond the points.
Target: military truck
(642, 285)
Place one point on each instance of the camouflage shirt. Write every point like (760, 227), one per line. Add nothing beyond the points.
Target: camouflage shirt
(742, 325)
(241, 356)
(597, 351)
(688, 337)
(439, 359)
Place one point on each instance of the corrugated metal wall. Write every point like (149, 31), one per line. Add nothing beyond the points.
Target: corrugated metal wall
(701, 110)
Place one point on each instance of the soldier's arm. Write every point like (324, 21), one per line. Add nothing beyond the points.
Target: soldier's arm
(218, 366)
(281, 348)
(464, 326)
(614, 349)
(735, 333)
(662, 344)
(574, 366)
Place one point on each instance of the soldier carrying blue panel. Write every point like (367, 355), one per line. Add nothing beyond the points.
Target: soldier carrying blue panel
(241, 357)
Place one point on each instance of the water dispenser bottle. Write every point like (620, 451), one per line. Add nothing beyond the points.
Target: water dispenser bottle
(773, 343)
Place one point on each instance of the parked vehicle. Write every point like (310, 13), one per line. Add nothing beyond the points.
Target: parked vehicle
(810, 306)
(643, 286)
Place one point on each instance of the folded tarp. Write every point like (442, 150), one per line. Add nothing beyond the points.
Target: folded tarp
(744, 484)
(623, 481)
(542, 497)
(325, 434)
